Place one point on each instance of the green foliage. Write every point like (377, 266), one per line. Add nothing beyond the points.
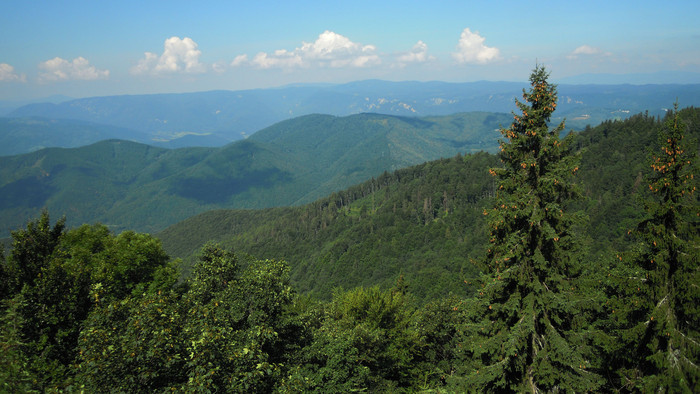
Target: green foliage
(366, 340)
(437, 325)
(133, 345)
(55, 276)
(657, 301)
(4, 276)
(419, 221)
(520, 331)
(31, 251)
(231, 331)
(15, 375)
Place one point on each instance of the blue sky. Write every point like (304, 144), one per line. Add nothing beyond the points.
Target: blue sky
(91, 48)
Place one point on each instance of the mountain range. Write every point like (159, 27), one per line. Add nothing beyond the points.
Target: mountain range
(129, 185)
(215, 118)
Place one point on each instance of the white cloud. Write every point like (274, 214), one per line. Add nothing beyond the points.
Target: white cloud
(281, 58)
(219, 67)
(179, 56)
(329, 50)
(8, 74)
(58, 69)
(146, 64)
(586, 50)
(417, 54)
(471, 49)
(239, 60)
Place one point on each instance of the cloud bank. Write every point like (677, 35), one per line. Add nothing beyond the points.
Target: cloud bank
(8, 74)
(471, 49)
(179, 56)
(58, 69)
(417, 54)
(329, 50)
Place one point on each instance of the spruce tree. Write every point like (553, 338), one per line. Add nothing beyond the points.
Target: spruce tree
(663, 316)
(521, 331)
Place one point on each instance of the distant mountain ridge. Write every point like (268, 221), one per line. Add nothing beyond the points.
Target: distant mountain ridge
(128, 185)
(656, 78)
(22, 135)
(214, 118)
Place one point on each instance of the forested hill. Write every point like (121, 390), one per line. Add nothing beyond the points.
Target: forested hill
(127, 185)
(426, 222)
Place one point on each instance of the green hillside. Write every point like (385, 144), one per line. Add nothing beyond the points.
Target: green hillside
(127, 185)
(426, 221)
(86, 184)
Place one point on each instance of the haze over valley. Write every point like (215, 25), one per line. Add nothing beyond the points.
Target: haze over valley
(219, 117)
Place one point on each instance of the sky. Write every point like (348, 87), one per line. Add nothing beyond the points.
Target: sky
(98, 48)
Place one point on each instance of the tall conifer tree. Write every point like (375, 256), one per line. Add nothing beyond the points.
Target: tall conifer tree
(521, 332)
(663, 314)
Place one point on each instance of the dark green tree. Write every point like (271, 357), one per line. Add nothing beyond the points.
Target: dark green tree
(438, 322)
(4, 279)
(231, 331)
(54, 277)
(15, 374)
(31, 251)
(660, 319)
(133, 345)
(366, 341)
(522, 330)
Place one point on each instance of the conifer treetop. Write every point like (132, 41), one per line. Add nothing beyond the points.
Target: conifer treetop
(519, 331)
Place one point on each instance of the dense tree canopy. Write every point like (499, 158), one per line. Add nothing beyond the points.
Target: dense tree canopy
(52, 279)
(657, 300)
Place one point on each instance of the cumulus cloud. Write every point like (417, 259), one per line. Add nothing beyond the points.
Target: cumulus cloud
(239, 60)
(8, 74)
(586, 50)
(179, 56)
(58, 69)
(471, 49)
(329, 50)
(417, 54)
(281, 58)
(219, 67)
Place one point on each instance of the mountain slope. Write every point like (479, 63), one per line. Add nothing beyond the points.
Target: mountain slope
(129, 185)
(426, 221)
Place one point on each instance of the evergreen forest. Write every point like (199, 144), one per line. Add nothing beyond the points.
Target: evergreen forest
(566, 262)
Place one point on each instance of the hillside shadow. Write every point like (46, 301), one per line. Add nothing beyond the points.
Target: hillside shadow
(218, 190)
(25, 193)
